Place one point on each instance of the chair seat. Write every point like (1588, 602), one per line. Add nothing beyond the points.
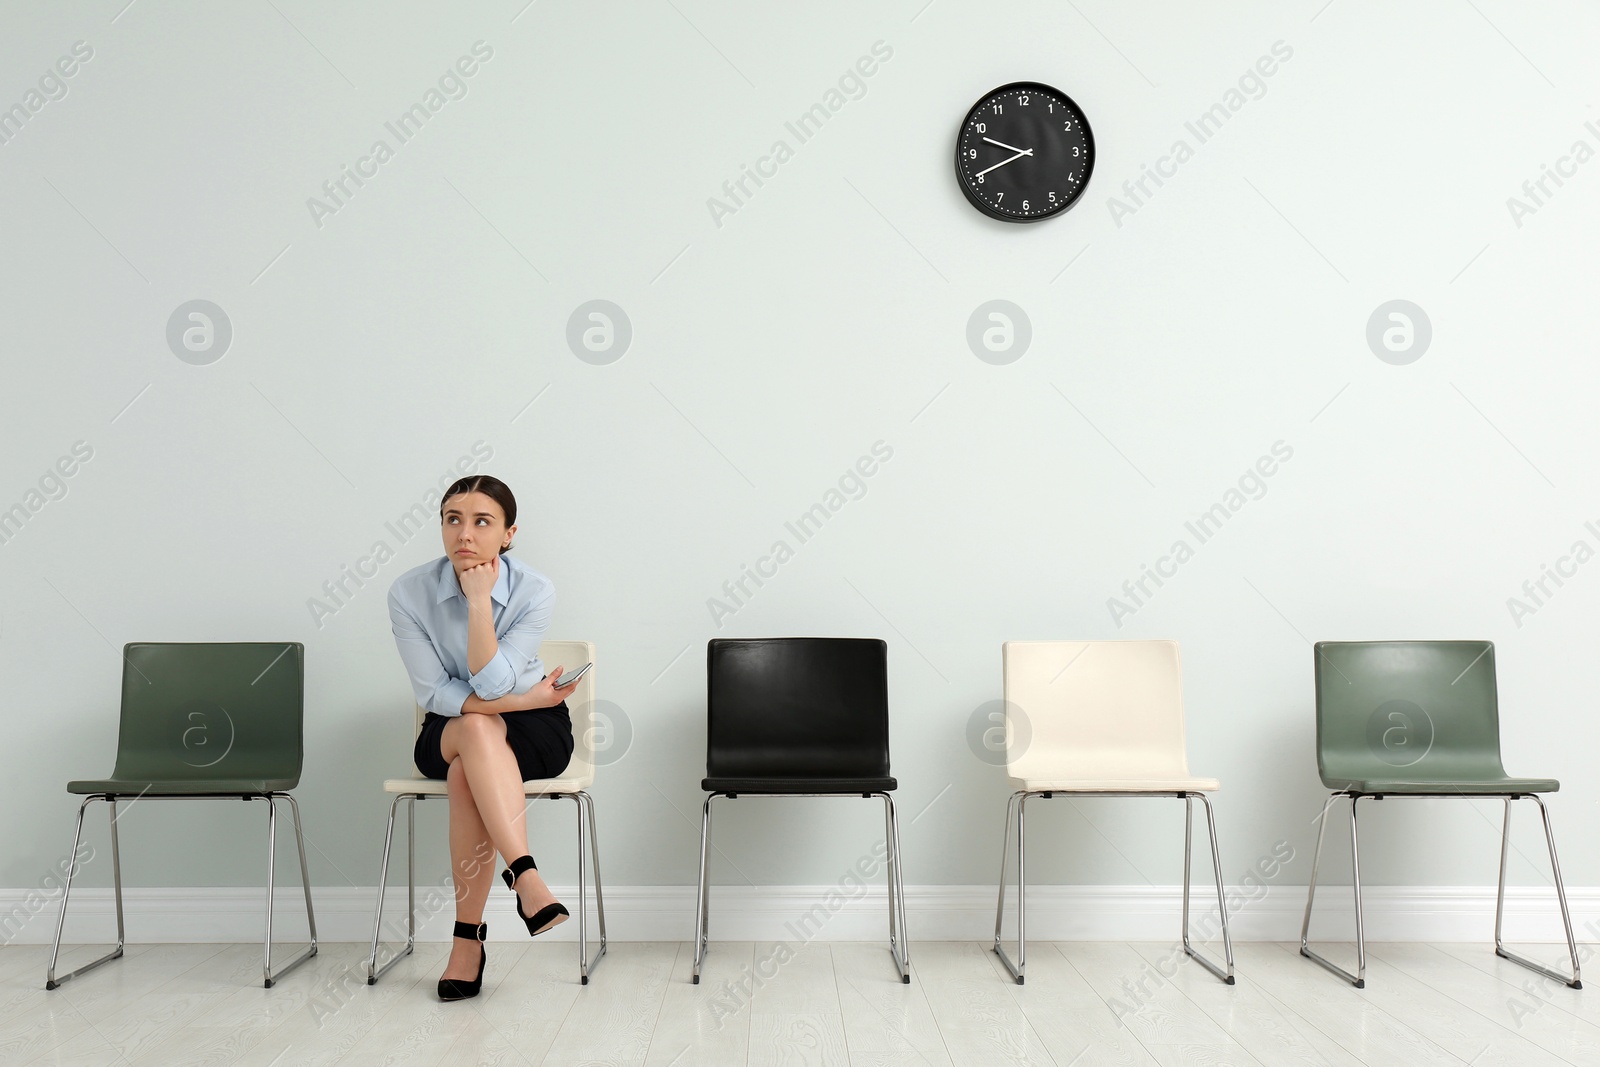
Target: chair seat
(1118, 785)
(182, 787)
(439, 787)
(1463, 786)
(797, 785)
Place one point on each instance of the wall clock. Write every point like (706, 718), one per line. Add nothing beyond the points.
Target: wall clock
(1024, 153)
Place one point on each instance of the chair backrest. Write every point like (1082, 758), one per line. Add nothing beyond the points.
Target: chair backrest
(580, 705)
(797, 707)
(1094, 709)
(200, 711)
(1426, 710)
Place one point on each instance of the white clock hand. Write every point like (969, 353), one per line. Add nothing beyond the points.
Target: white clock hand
(1009, 148)
(1003, 162)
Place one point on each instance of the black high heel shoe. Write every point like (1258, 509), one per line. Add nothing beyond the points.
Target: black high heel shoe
(542, 919)
(460, 988)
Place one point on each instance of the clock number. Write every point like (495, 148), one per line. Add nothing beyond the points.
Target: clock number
(999, 197)
(1074, 151)
(980, 179)
(972, 153)
(982, 128)
(1067, 125)
(1052, 197)
(1024, 205)
(1023, 100)
(997, 108)
(1052, 107)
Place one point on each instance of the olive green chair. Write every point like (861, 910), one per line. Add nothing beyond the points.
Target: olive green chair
(1417, 719)
(203, 721)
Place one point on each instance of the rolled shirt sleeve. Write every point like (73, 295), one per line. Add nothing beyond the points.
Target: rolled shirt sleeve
(434, 687)
(515, 666)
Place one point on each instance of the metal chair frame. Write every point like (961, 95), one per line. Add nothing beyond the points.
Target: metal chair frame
(272, 798)
(1359, 978)
(1019, 800)
(898, 946)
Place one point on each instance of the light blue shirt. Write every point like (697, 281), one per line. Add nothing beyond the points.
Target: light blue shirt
(428, 611)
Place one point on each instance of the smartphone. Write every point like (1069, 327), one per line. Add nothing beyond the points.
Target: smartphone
(570, 678)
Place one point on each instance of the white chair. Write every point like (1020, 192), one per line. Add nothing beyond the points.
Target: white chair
(573, 783)
(1104, 719)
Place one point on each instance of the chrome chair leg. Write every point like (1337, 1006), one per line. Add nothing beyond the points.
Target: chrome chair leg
(900, 880)
(896, 898)
(1022, 885)
(1188, 842)
(1017, 969)
(1575, 981)
(1222, 905)
(599, 895)
(583, 896)
(1358, 979)
(272, 840)
(889, 896)
(1005, 851)
(1000, 901)
(1216, 869)
(586, 814)
(1355, 885)
(374, 972)
(702, 920)
(116, 869)
(583, 892)
(50, 979)
(305, 881)
(411, 868)
(1505, 851)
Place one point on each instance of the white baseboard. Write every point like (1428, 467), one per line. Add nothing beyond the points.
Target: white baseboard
(797, 913)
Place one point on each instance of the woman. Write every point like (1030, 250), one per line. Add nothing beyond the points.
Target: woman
(468, 626)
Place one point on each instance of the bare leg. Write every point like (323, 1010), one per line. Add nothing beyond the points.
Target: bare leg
(491, 772)
(472, 867)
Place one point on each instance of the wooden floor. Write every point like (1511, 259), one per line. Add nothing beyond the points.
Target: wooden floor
(819, 1003)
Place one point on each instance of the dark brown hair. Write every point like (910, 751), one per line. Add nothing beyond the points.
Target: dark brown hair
(489, 486)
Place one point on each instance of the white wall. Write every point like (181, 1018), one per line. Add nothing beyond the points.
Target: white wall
(1172, 346)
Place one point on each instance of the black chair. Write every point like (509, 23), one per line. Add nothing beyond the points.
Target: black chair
(800, 717)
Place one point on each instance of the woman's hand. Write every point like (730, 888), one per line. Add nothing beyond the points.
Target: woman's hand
(477, 581)
(547, 693)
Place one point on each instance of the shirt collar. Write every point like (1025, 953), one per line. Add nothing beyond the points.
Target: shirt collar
(449, 586)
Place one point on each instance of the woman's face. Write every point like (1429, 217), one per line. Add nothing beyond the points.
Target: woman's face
(474, 529)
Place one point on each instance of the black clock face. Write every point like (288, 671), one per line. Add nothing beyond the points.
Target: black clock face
(1024, 153)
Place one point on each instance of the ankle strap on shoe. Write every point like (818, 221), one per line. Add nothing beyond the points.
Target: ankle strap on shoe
(520, 864)
(478, 932)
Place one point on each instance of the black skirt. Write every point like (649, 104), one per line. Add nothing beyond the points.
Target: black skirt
(541, 739)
